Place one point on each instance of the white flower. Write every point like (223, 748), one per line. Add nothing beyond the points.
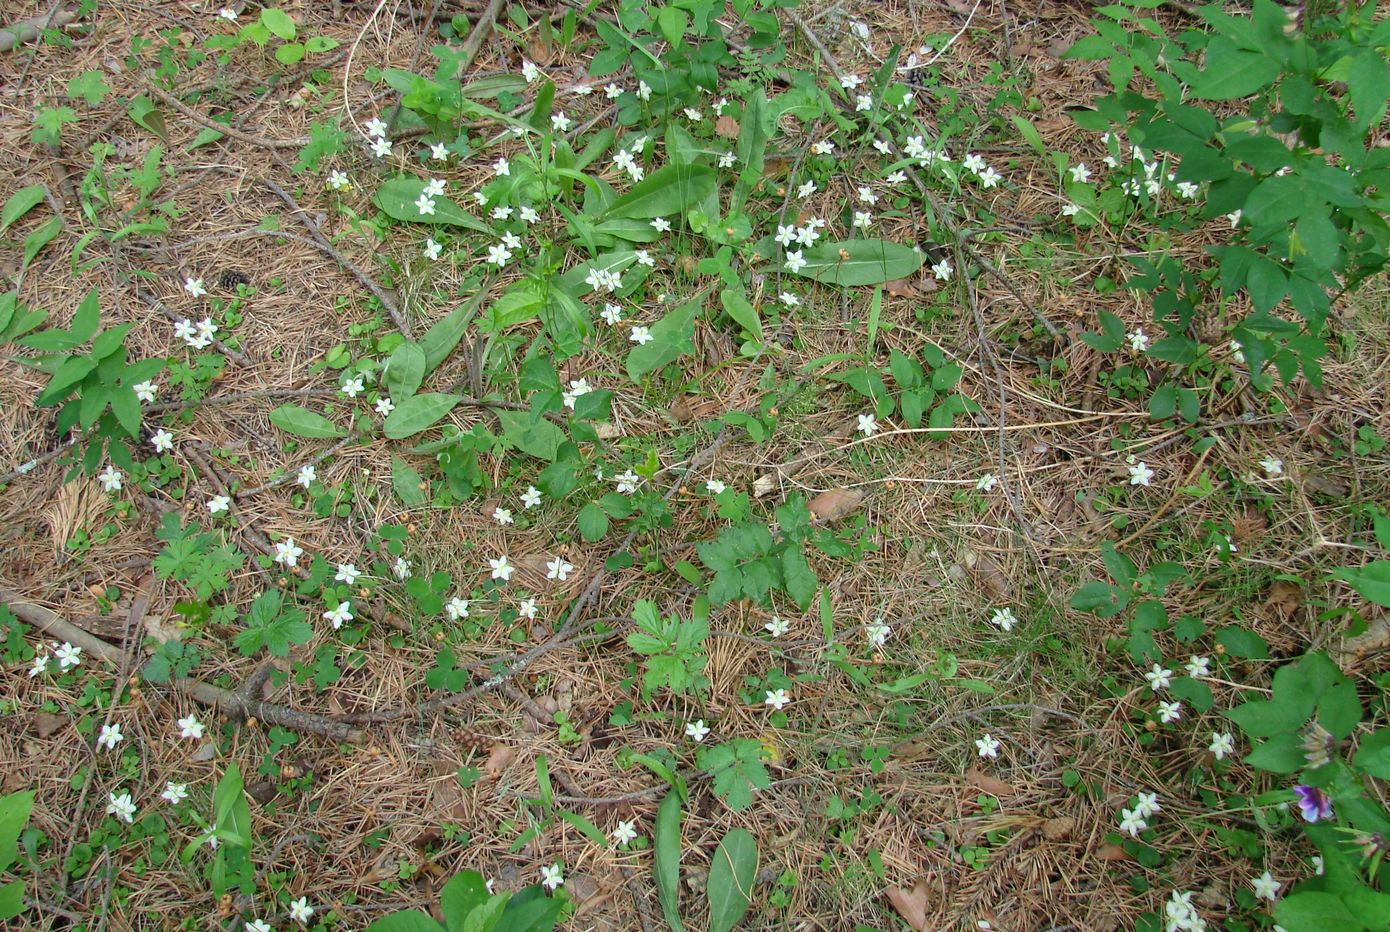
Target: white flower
(777, 627)
(176, 793)
(384, 405)
(785, 235)
(558, 568)
(897, 177)
(122, 806)
(627, 481)
(1318, 865)
(190, 727)
(1234, 218)
(40, 665)
(435, 188)
(559, 122)
(1266, 887)
(1272, 465)
(352, 387)
(1187, 190)
(1138, 340)
(693, 115)
(1160, 678)
(612, 314)
(529, 71)
(258, 925)
(218, 504)
(287, 552)
(1198, 666)
(381, 147)
(499, 255)
(577, 387)
(501, 569)
(1071, 210)
(1140, 473)
(915, 147)
(988, 746)
(696, 731)
(439, 152)
(806, 189)
(877, 634)
(206, 331)
(401, 568)
(582, 90)
(301, 911)
(527, 608)
(186, 331)
(1236, 347)
(986, 483)
(1221, 744)
(511, 240)
(456, 609)
(424, 204)
(145, 391)
(661, 224)
(850, 81)
(867, 424)
(640, 335)
(777, 698)
(883, 146)
(110, 737)
(863, 103)
(863, 219)
(531, 497)
(789, 299)
(644, 91)
(111, 479)
(552, 876)
(624, 833)
(1080, 173)
(989, 178)
(867, 195)
(307, 475)
(162, 441)
(943, 270)
(1132, 822)
(347, 574)
(645, 258)
(432, 249)
(337, 616)
(376, 127)
(68, 656)
(824, 147)
(1169, 712)
(502, 515)
(973, 164)
(1004, 619)
(714, 486)
(194, 286)
(528, 214)
(795, 261)
(727, 160)
(612, 91)
(338, 180)
(228, 14)
(1147, 805)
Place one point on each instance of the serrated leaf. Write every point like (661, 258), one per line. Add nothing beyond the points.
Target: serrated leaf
(300, 421)
(859, 262)
(417, 413)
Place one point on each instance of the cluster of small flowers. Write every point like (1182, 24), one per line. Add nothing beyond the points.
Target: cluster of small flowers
(604, 279)
(628, 159)
(68, 656)
(806, 235)
(1135, 820)
(983, 173)
(376, 133)
(1179, 915)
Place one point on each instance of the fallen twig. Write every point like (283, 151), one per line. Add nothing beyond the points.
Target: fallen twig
(26, 30)
(297, 142)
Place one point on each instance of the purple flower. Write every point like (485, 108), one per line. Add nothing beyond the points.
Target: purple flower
(1313, 803)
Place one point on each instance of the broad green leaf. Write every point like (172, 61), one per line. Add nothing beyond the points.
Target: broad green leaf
(278, 22)
(1231, 73)
(531, 433)
(672, 336)
(11, 899)
(859, 262)
(439, 341)
(410, 920)
(1371, 582)
(666, 841)
(464, 892)
(407, 481)
(743, 312)
(405, 370)
(417, 413)
(731, 876)
(1315, 911)
(665, 192)
(399, 198)
(593, 522)
(1372, 757)
(302, 422)
(20, 203)
(14, 813)
(518, 304)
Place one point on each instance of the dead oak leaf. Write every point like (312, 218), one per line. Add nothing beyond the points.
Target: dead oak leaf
(834, 503)
(911, 905)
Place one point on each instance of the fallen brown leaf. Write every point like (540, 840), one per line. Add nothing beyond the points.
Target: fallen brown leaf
(834, 503)
(1112, 853)
(911, 905)
(727, 127)
(992, 785)
(1283, 599)
(46, 723)
(498, 759)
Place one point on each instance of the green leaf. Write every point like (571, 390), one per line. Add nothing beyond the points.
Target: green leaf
(20, 203)
(743, 313)
(405, 370)
(38, 239)
(397, 198)
(1244, 644)
(1372, 757)
(302, 422)
(593, 522)
(278, 22)
(1315, 911)
(439, 341)
(666, 842)
(12, 899)
(531, 433)
(672, 21)
(518, 304)
(1371, 582)
(1231, 72)
(464, 892)
(417, 413)
(859, 262)
(408, 920)
(672, 336)
(731, 876)
(666, 191)
(407, 481)
(1282, 754)
(14, 813)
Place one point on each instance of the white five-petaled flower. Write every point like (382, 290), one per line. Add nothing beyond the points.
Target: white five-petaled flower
(661, 224)
(531, 497)
(300, 911)
(1132, 823)
(219, 503)
(1080, 173)
(1198, 666)
(307, 475)
(347, 574)
(401, 568)
(1234, 218)
(1159, 677)
(352, 387)
(502, 515)
(110, 737)
(176, 793)
(439, 152)
(576, 388)
(558, 568)
(288, 553)
(145, 391)
(1140, 473)
(162, 441)
(194, 286)
(727, 160)
(624, 833)
(868, 424)
(339, 614)
(529, 71)
(456, 609)
(381, 147)
(258, 925)
(435, 188)
(777, 698)
(527, 608)
(863, 103)
(501, 569)
(552, 876)
(1147, 805)
(528, 214)
(986, 483)
(559, 121)
(943, 270)
(640, 335)
(1272, 465)
(612, 314)
(973, 163)
(1266, 887)
(40, 665)
(627, 481)
(644, 91)
(1138, 340)
(338, 180)
(877, 634)
(384, 405)
(68, 655)
(645, 258)
(612, 91)
(806, 189)
(424, 204)
(1221, 744)
(1003, 618)
(850, 81)
(777, 626)
(432, 249)
(988, 746)
(1169, 712)
(376, 127)
(111, 479)
(789, 299)
(190, 727)
(989, 178)
(714, 486)
(121, 806)
(1070, 210)
(499, 255)
(697, 730)
(228, 14)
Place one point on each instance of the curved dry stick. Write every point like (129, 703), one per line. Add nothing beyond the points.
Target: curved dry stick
(297, 142)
